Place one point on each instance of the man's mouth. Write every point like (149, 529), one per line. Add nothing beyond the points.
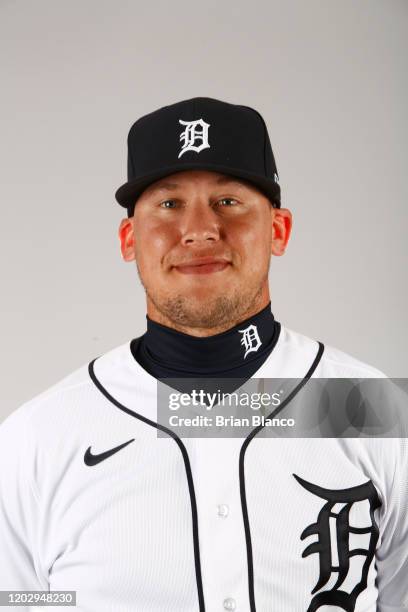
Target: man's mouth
(203, 265)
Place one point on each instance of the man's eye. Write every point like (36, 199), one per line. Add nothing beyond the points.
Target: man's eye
(173, 203)
(166, 202)
(227, 200)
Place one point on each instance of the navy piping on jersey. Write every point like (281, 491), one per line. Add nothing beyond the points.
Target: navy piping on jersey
(189, 475)
(244, 446)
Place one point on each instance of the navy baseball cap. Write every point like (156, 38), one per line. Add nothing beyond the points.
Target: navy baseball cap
(199, 133)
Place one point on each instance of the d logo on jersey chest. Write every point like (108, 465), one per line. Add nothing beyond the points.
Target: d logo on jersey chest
(323, 546)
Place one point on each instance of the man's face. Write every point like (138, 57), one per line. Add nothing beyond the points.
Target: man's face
(196, 214)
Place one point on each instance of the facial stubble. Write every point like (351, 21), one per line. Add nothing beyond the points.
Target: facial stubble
(216, 311)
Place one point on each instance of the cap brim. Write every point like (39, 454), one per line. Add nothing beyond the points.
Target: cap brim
(128, 193)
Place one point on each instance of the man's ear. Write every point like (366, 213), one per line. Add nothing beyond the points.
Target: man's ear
(127, 239)
(281, 230)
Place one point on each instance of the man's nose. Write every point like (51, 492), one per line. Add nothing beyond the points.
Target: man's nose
(200, 223)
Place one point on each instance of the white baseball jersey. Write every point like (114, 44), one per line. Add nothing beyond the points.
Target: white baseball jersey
(164, 524)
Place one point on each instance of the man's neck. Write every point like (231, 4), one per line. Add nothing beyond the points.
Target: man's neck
(164, 351)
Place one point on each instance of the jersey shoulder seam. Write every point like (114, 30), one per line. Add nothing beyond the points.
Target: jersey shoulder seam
(365, 368)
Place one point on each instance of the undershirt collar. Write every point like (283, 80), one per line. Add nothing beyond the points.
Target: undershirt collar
(237, 352)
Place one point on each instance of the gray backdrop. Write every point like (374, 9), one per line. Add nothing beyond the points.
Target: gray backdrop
(330, 78)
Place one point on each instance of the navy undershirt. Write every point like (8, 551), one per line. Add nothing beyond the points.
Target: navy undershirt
(167, 353)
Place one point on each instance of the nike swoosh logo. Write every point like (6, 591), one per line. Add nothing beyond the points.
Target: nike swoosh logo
(91, 459)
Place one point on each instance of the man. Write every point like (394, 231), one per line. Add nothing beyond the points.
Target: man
(94, 500)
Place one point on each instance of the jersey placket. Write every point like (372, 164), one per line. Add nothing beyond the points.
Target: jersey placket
(221, 531)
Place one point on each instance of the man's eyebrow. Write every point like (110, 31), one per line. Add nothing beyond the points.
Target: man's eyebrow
(163, 186)
(222, 180)
(230, 179)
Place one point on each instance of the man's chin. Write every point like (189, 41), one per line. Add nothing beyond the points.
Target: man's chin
(202, 309)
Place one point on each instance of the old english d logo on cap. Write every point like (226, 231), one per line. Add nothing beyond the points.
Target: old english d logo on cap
(195, 136)
(199, 133)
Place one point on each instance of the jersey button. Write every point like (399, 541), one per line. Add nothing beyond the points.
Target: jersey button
(223, 510)
(229, 603)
